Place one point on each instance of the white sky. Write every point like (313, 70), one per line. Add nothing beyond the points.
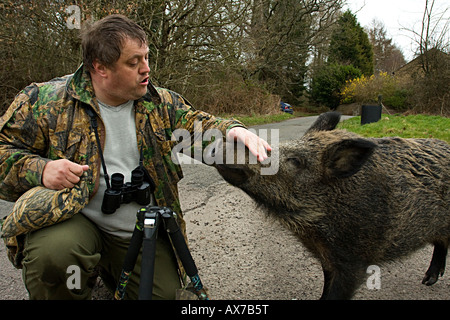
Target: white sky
(396, 15)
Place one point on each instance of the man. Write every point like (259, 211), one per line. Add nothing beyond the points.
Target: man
(47, 139)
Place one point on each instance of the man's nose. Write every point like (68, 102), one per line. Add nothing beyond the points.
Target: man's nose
(145, 68)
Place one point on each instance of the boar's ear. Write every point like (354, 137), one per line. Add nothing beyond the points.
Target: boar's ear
(345, 158)
(325, 122)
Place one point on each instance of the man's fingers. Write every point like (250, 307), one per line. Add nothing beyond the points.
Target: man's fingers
(267, 145)
(60, 174)
(77, 169)
(74, 174)
(257, 146)
(67, 184)
(72, 178)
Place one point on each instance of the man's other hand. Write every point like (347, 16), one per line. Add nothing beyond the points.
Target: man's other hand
(60, 174)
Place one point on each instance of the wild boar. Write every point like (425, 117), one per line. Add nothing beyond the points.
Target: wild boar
(354, 201)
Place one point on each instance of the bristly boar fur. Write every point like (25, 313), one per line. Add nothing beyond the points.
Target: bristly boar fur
(355, 202)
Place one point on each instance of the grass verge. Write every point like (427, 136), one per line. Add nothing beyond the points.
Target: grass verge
(412, 126)
(253, 120)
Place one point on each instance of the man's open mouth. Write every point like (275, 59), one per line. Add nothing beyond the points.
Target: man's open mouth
(145, 81)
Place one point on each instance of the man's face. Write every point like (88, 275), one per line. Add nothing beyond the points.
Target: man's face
(128, 78)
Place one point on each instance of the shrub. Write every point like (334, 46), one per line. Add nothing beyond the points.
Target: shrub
(365, 89)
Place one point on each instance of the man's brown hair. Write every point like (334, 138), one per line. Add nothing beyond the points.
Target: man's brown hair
(102, 40)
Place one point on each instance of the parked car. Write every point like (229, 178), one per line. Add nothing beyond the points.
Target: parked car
(286, 107)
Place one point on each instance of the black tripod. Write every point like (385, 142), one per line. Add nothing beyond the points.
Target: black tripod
(145, 234)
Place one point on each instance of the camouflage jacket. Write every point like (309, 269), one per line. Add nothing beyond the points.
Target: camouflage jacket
(48, 121)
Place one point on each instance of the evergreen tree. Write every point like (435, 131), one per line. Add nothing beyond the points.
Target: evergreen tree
(328, 81)
(350, 45)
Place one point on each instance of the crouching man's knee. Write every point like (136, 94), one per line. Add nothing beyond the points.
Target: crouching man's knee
(60, 263)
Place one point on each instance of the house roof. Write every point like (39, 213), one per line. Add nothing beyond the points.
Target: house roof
(430, 57)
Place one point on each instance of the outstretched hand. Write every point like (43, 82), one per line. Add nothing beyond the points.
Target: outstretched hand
(257, 146)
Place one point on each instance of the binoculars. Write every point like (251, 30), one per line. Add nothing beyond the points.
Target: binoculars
(137, 190)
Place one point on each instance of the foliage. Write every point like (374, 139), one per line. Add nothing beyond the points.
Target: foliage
(412, 126)
(232, 95)
(226, 55)
(328, 82)
(350, 56)
(365, 89)
(350, 45)
(280, 40)
(31, 41)
(196, 46)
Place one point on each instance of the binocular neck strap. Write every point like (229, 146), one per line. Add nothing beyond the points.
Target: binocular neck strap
(94, 126)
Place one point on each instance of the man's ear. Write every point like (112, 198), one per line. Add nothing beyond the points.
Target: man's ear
(345, 158)
(99, 68)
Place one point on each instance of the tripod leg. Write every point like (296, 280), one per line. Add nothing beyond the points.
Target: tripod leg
(184, 254)
(129, 262)
(151, 224)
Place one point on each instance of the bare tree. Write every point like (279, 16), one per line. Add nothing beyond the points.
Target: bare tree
(387, 56)
(431, 79)
(35, 45)
(283, 35)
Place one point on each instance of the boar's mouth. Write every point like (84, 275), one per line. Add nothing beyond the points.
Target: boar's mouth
(234, 174)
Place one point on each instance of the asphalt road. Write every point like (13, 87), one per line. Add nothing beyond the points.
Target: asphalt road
(241, 254)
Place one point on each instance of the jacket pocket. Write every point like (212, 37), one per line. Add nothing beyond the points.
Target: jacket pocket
(64, 145)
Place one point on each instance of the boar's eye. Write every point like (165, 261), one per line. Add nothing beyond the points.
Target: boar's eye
(297, 162)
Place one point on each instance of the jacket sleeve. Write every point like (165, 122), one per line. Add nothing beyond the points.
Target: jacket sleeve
(22, 146)
(185, 116)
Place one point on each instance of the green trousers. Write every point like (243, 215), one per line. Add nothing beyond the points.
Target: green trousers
(54, 256)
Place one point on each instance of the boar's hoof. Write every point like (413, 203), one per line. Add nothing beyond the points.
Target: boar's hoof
(437, 265)
(431, 277)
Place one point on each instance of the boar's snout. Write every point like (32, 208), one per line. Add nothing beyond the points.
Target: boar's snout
(235, 174)
(231, 164)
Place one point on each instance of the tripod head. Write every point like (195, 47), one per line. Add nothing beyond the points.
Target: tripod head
(150, 217)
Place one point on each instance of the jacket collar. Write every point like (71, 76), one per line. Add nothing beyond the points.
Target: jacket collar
(80, 87)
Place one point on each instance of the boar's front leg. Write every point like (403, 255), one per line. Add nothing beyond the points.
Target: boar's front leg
(340, 283)
(437, 265)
